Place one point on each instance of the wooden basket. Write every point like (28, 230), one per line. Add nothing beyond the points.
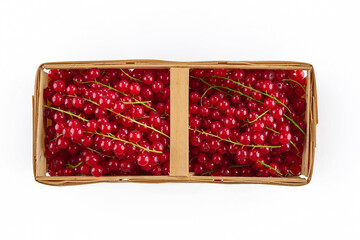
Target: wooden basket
(179, 144)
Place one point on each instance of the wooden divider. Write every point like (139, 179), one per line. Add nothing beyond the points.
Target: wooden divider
(179, 126)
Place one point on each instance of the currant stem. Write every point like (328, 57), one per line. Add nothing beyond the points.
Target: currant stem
(72, 166)
(130, 119)
(243, 94)
(135, 79)
(55, 138)
(108, 136)
(136, 102)
(208, 172)
(259, 116)
(268, 166)
(235, 143)
(95, 151)
(206, 91)
(124, 141)
(291, 120)
(231, 166)
(290, 80)
(114, 89)
(238, 166)
(291, 142)
(202, 80)
(66, 112)
(253, 89)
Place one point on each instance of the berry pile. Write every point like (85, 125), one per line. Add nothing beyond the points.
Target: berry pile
(107, 122)
(246, 122)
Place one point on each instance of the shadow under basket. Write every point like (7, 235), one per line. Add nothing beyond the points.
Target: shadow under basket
(179, 134)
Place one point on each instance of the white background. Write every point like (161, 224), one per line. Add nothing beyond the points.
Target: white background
(323, 33)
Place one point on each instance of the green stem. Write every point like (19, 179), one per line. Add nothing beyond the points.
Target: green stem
(253, 89)
(238, 166)
(202, 80)
(135, 79)
(291, 120)
(95, 151)
(114, 89)
(268, 166)
(130, 119)
(231, 166)
(72, 166)
(66, 112)
(243, 94)
(55, 138)
(208, 172)
(291, 142)
(206, 91)
(235, 143)
(124, 141)
(248, 97)
(144, 125)
(293, 81)
(260, 116)
(137, 102)
(108, 136)
(229, 89)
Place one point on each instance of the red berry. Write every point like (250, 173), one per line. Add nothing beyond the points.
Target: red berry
(78, 102)
(148, 79)
(258, 138)
(259, 125)
(97, 171)
(91, 159)
(94, 73)
(143, 159)
(254, 154)
(123, 86)
(238, 74)
(54, 74)
(295, 169)
(106, 144)
(59, 86)
(245, 138)
(92, 126)
(241, 154)
(106, 128)
(134, 136)
(119, 148)
(194, 97)
(284, 137)
(274, 169)
(63, 143)
(224, 133)
(57, 99)
(84, 169)
(223, 105)
(135, 89)
(269, 103)
(105, 102)
(86, 140)
(217, 158)
(157, 86)
(119, 107)
(113, 164)
(76, 132)
(241, 113)
(154, 120)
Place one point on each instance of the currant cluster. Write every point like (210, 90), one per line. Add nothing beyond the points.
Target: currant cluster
(246, 122)
(107, 122)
